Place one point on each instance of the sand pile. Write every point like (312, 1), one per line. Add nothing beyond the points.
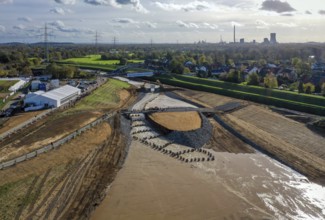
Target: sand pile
(177, 121)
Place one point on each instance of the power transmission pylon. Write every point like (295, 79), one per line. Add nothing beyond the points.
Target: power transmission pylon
(46, 42)
(114, 41)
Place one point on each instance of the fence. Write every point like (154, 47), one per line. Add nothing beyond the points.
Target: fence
(55, 144)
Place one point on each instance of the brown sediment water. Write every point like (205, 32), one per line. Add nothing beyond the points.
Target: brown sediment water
(154, 186)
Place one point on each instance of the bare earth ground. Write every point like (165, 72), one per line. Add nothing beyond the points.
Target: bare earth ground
(290, 140)
(224, 141)
(308, 163)
(43, 132)
(17, 119)
(26, 185)
(178, 121)
(205, 98)
(290, 131)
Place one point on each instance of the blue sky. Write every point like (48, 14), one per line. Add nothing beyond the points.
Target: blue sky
(163, 21)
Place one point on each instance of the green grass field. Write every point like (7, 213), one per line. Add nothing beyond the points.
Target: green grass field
(91, 66)
(135, 61)
(105, 97)
(96, 59)
(92, 59)
(5, 85)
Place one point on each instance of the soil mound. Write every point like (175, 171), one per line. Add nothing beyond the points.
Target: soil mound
(177, 121)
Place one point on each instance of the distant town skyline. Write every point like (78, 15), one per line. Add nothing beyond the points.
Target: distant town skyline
(161, 21)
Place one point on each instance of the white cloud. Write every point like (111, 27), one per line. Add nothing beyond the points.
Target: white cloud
(150, 24)
(186, 25)
(238, 3)
(260, 24)
(57, 10)
(66, 2)
(204, 25)
(120, 22)
(59, 25)
(26, 19)
(289, 25)
(6, 1)
(124, 20)
(60, 11)
(2, 28)
(191, 6)
(99, 2)
(210, 26)
(19, 27)
(136, 4)
(234, 23)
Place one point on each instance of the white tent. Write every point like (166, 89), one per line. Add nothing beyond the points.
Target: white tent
(54, 98)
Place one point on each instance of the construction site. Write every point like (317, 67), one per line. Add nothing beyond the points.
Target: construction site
(141, 150)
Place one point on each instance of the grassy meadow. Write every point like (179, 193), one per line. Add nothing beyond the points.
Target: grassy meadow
(105, 97)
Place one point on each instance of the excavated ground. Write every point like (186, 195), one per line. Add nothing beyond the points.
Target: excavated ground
(70, 181)
(288, 140)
